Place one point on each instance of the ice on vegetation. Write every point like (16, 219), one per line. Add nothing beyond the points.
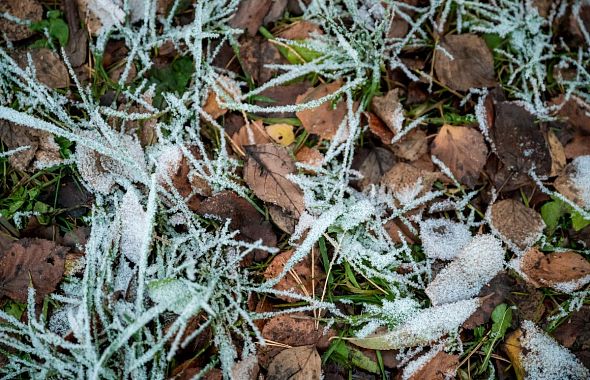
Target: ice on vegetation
(133, 226)
(545, 359)
(443, 239)
(581, 178)
(464, 277)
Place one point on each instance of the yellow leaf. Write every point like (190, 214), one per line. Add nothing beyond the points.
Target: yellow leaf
(513, 350)
(281, 133)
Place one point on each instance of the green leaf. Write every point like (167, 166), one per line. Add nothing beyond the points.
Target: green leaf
(59, 30)
(348, 356)
(551, 212)
(502, 317)
(579, 222)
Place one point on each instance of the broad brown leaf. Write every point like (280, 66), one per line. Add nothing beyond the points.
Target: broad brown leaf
(296, 330)
(297, 363)
(555, 269)
(471, 65)
(579, 146)
(519, 141)
(243, 216)
(266, 173)
(568, 185)
(374, 163)
(51, 71)
(517, 223)
(463, 150)
(441, 367)
(558, 159)
(379, 129)
(412, 146)
(385, 107)
(300, 30)
(323, 120)
(35, 262)
(251, 134)
(250, 14)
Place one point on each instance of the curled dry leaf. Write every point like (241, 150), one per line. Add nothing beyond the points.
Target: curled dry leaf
(389, 109)
(282, 134)
(266, 172)
(251, 134)
(29, 10)
(297, 363)
(243, 216)
(42, 147)
(35, 262)
(379, 129)
(296, 330)
(50, 70)
(519, 142)
(516, 223)
(323, 120)
(463, 150)
(300, 279)
(471, 64)
(564, 271)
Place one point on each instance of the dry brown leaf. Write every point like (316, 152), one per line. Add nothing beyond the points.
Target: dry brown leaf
(375, 163)
(471, 65)
(35, 262)
(403, 176)
(300, 278)
(412, 146)
(255, 54)
(491, 295)
(229, 87)
(441, 367)
(519, 141)
(513, 350)
(379, 129)
(251, 134)
(463, 150)
(250, 14)
(43, 148)
(323, 120)
(566, 186)
(558, 159)
(300, 30)
(518, 224)
(244, 217)
(560, 270)
(266, 173)
(296, 330)
(310, 156)
(51, 71)
(29, 10)
(297, 363)
(575, 111)
(285, 220)
(77, 47)
(579, 146)
(282, 96)
(246, 369)
(386, 106)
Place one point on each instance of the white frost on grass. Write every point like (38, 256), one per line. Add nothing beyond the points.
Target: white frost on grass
(133, 226)
(426, 327)
(443, 239)
(545, 359)
(463, 278)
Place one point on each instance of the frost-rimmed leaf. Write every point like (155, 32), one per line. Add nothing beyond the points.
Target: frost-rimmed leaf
(443, 239)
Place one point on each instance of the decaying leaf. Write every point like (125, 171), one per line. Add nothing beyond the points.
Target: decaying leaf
(282, 134)
(300, 30)
(403, 178)
(76, 49)
(513, 349)
(412, 146)
(296, 330)
(389, 109)
(579, 146)
(282, 96)
(251, 134)
(310, 156)
(42, 150)
(516, 223)
(31, 262)
(244, 217)
(463, 150)
(246, 369)
(255, 54)
(50, 70)
(229, 87)
(297, 363)
(471, 64)
(375, 163)
(300, 279)
(519, 142)
(266, 172)
(285, 220)
(379, 129)
(29, 10)
(325, 119)
(491, 295)
(575, 111)
(564, 271)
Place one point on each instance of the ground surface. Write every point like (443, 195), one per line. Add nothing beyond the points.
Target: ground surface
(283, 189)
